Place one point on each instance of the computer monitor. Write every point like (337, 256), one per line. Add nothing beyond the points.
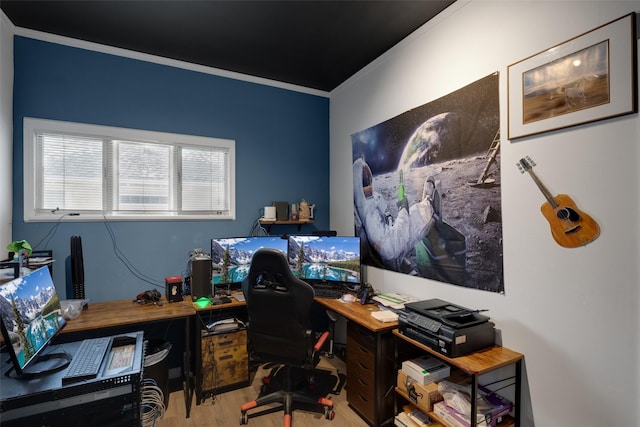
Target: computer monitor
(326, 259)
(31, 317)
(231, 257)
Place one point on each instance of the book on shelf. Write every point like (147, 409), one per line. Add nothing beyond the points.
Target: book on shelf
(410, 416)
(417, 416)
(403, 420)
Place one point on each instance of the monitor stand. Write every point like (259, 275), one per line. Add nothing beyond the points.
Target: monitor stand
(44, 364)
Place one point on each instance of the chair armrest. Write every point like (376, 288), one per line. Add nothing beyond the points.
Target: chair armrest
(321, 341)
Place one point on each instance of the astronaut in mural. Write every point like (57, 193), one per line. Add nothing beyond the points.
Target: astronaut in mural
(391, 238)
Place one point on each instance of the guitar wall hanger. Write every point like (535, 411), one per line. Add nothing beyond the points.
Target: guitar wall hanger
(570, 227)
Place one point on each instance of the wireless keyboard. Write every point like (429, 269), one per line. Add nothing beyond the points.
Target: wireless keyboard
(85, 364)
(332, 292)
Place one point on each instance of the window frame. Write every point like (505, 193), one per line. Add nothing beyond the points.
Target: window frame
(34, 125)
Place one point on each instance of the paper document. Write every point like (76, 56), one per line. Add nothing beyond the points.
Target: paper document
(384, 316)
(393, 300)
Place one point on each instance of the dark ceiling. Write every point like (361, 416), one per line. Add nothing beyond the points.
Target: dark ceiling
(314, 44)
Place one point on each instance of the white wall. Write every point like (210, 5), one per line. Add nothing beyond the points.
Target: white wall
(573, 313)
(6, 131)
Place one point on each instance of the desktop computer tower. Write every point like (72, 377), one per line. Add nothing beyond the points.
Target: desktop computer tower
(201, 277)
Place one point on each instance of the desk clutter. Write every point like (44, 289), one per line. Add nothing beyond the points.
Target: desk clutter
(114, 395)
(442, 387)
(445, 397)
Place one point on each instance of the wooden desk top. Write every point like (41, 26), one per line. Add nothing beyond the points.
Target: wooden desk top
(359, 313)
(232, 304)
(354, 311)
(480, 362)
(126, 312)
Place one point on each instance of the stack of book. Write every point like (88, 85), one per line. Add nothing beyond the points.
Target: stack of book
(412, 417)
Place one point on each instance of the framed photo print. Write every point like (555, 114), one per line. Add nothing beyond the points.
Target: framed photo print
(587, 78)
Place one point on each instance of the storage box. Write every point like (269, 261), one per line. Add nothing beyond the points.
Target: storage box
(423, 396)
(426, 369)
(225, 362)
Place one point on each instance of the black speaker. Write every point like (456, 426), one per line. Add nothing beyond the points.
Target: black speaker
(282, 210)
(201, 277)
(77, 268)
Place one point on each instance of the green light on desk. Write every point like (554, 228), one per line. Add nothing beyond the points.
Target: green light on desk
(202, 302)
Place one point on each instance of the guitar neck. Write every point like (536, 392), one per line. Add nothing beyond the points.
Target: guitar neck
(544, 189)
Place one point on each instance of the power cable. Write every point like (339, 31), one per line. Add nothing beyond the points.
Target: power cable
(122, 257)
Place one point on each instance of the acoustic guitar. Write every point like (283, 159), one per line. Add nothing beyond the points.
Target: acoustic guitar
(570, 227)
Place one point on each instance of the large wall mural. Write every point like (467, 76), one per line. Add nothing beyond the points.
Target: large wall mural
(426, 185)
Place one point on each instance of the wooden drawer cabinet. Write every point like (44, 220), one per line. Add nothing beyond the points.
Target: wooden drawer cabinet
(361, 378)
(225, 362)
(370, 364)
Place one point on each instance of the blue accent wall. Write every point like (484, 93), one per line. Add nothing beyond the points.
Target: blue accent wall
(282, 153)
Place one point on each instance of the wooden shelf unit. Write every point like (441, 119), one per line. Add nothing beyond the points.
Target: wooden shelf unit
(299, 223)
(475, 365)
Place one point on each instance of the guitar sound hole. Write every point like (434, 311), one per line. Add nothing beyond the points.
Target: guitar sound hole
(568, 213)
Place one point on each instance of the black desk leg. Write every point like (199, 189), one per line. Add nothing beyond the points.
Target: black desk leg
(187, 371)
(518, 412)
(474, 400)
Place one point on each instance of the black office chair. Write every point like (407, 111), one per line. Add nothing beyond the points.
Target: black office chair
(279, 331)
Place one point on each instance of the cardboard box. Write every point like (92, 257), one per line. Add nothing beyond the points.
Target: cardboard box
(423, 396)
(225, 361)
(426, 369)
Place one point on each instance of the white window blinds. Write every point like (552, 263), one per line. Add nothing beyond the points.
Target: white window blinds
(99, 171)
(203, 183)
(70, 172)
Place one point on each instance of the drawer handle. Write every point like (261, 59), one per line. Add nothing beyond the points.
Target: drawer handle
(225, 342)
(363, 350)
(228, 356)
(363, 398)
(362, 366)
(362, 382)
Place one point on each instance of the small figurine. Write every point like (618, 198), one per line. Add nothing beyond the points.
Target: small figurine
(303, 211)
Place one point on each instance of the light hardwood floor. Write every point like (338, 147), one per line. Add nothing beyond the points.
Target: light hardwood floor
(224, 410)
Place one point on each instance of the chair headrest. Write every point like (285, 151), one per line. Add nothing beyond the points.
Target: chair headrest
(270, 270)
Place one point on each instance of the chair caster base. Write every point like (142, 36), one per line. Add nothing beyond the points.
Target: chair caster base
(329, 413)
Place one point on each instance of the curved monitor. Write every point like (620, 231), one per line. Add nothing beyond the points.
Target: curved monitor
(231, 257)
(326, 259)
(31, 316)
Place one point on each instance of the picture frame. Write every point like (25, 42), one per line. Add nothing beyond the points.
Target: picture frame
(587, 78)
